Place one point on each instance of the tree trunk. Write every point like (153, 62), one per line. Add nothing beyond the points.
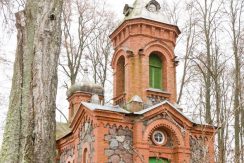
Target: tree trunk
(12, 131)
(31, 116)
(237, 104)
(237, 80)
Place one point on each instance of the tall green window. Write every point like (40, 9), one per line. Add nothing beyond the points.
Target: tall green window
(155, 71)
(158, 160)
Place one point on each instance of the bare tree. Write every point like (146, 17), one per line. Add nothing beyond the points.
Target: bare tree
(234, 11)
(189, 33)
(207, 13)
(241, 50)
(7, 12)
(218, 72)
(100, 49)
(206, 60)
(29, 134)
(172, 11)
(89, 19)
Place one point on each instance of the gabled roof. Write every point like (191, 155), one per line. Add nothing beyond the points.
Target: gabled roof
(62, 129)
(176, 107)
(118, 109)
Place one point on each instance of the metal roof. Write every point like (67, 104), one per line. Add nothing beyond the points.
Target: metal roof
(116, 108)
(176, 107)
(139, 10)
(62, 129)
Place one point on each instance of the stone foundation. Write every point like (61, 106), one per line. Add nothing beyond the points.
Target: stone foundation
(86, 137)
(66, 154)
(120, 145)
(199, 150)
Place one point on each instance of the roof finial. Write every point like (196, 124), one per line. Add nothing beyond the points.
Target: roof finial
(85, 78)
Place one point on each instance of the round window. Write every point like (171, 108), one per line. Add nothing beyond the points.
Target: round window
(158, 137)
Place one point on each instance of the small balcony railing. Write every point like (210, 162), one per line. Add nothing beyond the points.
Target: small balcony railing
(119, 100)
(157, 95)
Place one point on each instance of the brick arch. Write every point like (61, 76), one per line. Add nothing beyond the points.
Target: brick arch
(69, 160)
(120, 75)
(165, 59)
(166, 124)
(160, 47)
(120, 52)
(86, 147)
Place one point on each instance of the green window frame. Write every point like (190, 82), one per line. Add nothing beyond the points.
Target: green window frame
(155, 71)
(158, 160)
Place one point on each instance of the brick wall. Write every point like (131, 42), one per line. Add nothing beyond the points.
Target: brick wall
(136, 40)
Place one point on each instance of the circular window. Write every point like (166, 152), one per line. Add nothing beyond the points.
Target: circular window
(158, 137)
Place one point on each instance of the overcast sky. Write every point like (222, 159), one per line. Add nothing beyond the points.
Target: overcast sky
(118, 5)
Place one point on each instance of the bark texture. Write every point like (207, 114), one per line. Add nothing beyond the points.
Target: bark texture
(29, 134)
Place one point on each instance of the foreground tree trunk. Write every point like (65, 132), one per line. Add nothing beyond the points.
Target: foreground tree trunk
(29, 134)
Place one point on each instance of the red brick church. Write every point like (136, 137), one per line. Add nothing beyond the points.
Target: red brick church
(145, 125)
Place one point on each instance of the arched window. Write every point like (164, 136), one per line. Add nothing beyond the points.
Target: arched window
(85, 156)
(120, 76)
(155, 71)
(72, 110)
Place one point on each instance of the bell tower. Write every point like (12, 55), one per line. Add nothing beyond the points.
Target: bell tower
(144, 63)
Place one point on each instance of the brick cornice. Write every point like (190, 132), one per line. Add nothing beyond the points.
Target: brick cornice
(145, 22)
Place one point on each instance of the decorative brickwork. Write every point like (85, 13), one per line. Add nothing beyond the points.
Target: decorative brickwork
(137, 47)
(67, 154)
(86, 141)
(169, 139)
(199, 150)
(120, 145)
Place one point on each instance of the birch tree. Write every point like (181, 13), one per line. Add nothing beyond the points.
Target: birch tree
(29, 134)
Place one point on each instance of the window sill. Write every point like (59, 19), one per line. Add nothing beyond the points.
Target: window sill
(157, 90)
(158, 94)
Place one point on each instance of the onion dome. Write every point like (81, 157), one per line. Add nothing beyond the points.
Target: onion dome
(85, 86)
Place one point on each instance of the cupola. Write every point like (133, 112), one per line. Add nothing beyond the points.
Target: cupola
(86, 91)
(147, 9)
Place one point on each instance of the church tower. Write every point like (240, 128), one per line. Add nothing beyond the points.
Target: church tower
(145, 125)
(144, 62)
